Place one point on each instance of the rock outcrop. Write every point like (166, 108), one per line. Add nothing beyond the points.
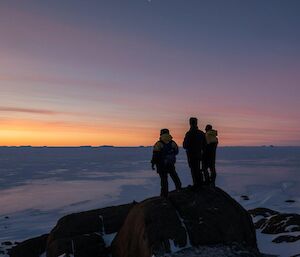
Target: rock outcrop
(80, 231)
(156, 226)
(81, 245)
(273, 222)
(33, 247)
(207, 217)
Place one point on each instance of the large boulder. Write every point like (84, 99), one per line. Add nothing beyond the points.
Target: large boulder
(107, 220)
(80, 246)
(150, 227)
(187, 218)
(86, 228)
(211, 216)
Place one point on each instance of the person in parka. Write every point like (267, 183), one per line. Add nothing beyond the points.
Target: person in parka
(194, 143)
(211, 137)
(164, 158)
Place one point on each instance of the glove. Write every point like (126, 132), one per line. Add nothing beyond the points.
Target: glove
(153, 166)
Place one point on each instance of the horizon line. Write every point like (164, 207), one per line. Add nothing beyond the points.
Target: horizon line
(136, 146)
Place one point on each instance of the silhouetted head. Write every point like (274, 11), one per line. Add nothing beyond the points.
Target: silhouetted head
(193, 122)
(208, 127)
(164, 131)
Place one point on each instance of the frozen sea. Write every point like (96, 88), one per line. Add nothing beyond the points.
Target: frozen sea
(40, 185)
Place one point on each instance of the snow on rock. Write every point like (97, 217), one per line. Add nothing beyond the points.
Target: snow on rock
(274, 222)
(66, 255)
(108, 238)
(277, 233)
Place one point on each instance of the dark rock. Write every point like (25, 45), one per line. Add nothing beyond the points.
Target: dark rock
(148, 228)
(265, 212)
(7, 243)
(260, 223)
(81, 228)
(6, 217)
(212, 216)
(107, 220)
(275, 222)
(286, 239)
(297, 255)
(245, 197)
(290, 201)
(208, 216)
(80, 246)
(281, 223)
(60, 246)
(33, 247)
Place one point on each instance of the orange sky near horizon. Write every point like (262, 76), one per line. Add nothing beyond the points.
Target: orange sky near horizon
(18, 132)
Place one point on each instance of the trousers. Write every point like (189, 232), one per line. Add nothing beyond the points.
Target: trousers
(163, 173)
(200, 175)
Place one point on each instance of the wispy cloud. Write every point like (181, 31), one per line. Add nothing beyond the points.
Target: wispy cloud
(29, 110)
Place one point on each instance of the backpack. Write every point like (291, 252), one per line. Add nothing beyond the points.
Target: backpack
(168, 156)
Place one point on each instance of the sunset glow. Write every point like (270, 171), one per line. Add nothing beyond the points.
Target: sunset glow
(116, 72)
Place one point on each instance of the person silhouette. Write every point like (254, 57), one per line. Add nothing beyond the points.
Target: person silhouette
(194, 143)
(211, 137)
(164, 158)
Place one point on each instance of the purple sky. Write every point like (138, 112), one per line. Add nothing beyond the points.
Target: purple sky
(115, 72)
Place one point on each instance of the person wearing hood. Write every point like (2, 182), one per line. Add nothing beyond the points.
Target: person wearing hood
(211, 137)
(194, 143)
(164, 158)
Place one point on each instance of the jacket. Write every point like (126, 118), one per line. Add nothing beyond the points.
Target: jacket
(157, 148)
(194, 141)
(211, 136)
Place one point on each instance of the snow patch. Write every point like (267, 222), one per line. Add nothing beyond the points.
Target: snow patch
(291, 227)
(108, 238)
(186, 231)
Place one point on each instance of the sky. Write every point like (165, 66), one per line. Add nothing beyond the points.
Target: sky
(114, 72)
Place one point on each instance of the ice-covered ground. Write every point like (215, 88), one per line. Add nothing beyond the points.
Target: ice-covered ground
(39, 185)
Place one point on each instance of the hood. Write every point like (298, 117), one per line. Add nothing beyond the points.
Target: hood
(166, 138)
(212, 132)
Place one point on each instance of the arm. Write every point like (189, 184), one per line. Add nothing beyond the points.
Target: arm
(185, 141)
(156, 154)
(204, 142)
(175, 147)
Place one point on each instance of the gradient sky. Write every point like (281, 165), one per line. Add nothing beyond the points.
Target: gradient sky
(116, 72)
